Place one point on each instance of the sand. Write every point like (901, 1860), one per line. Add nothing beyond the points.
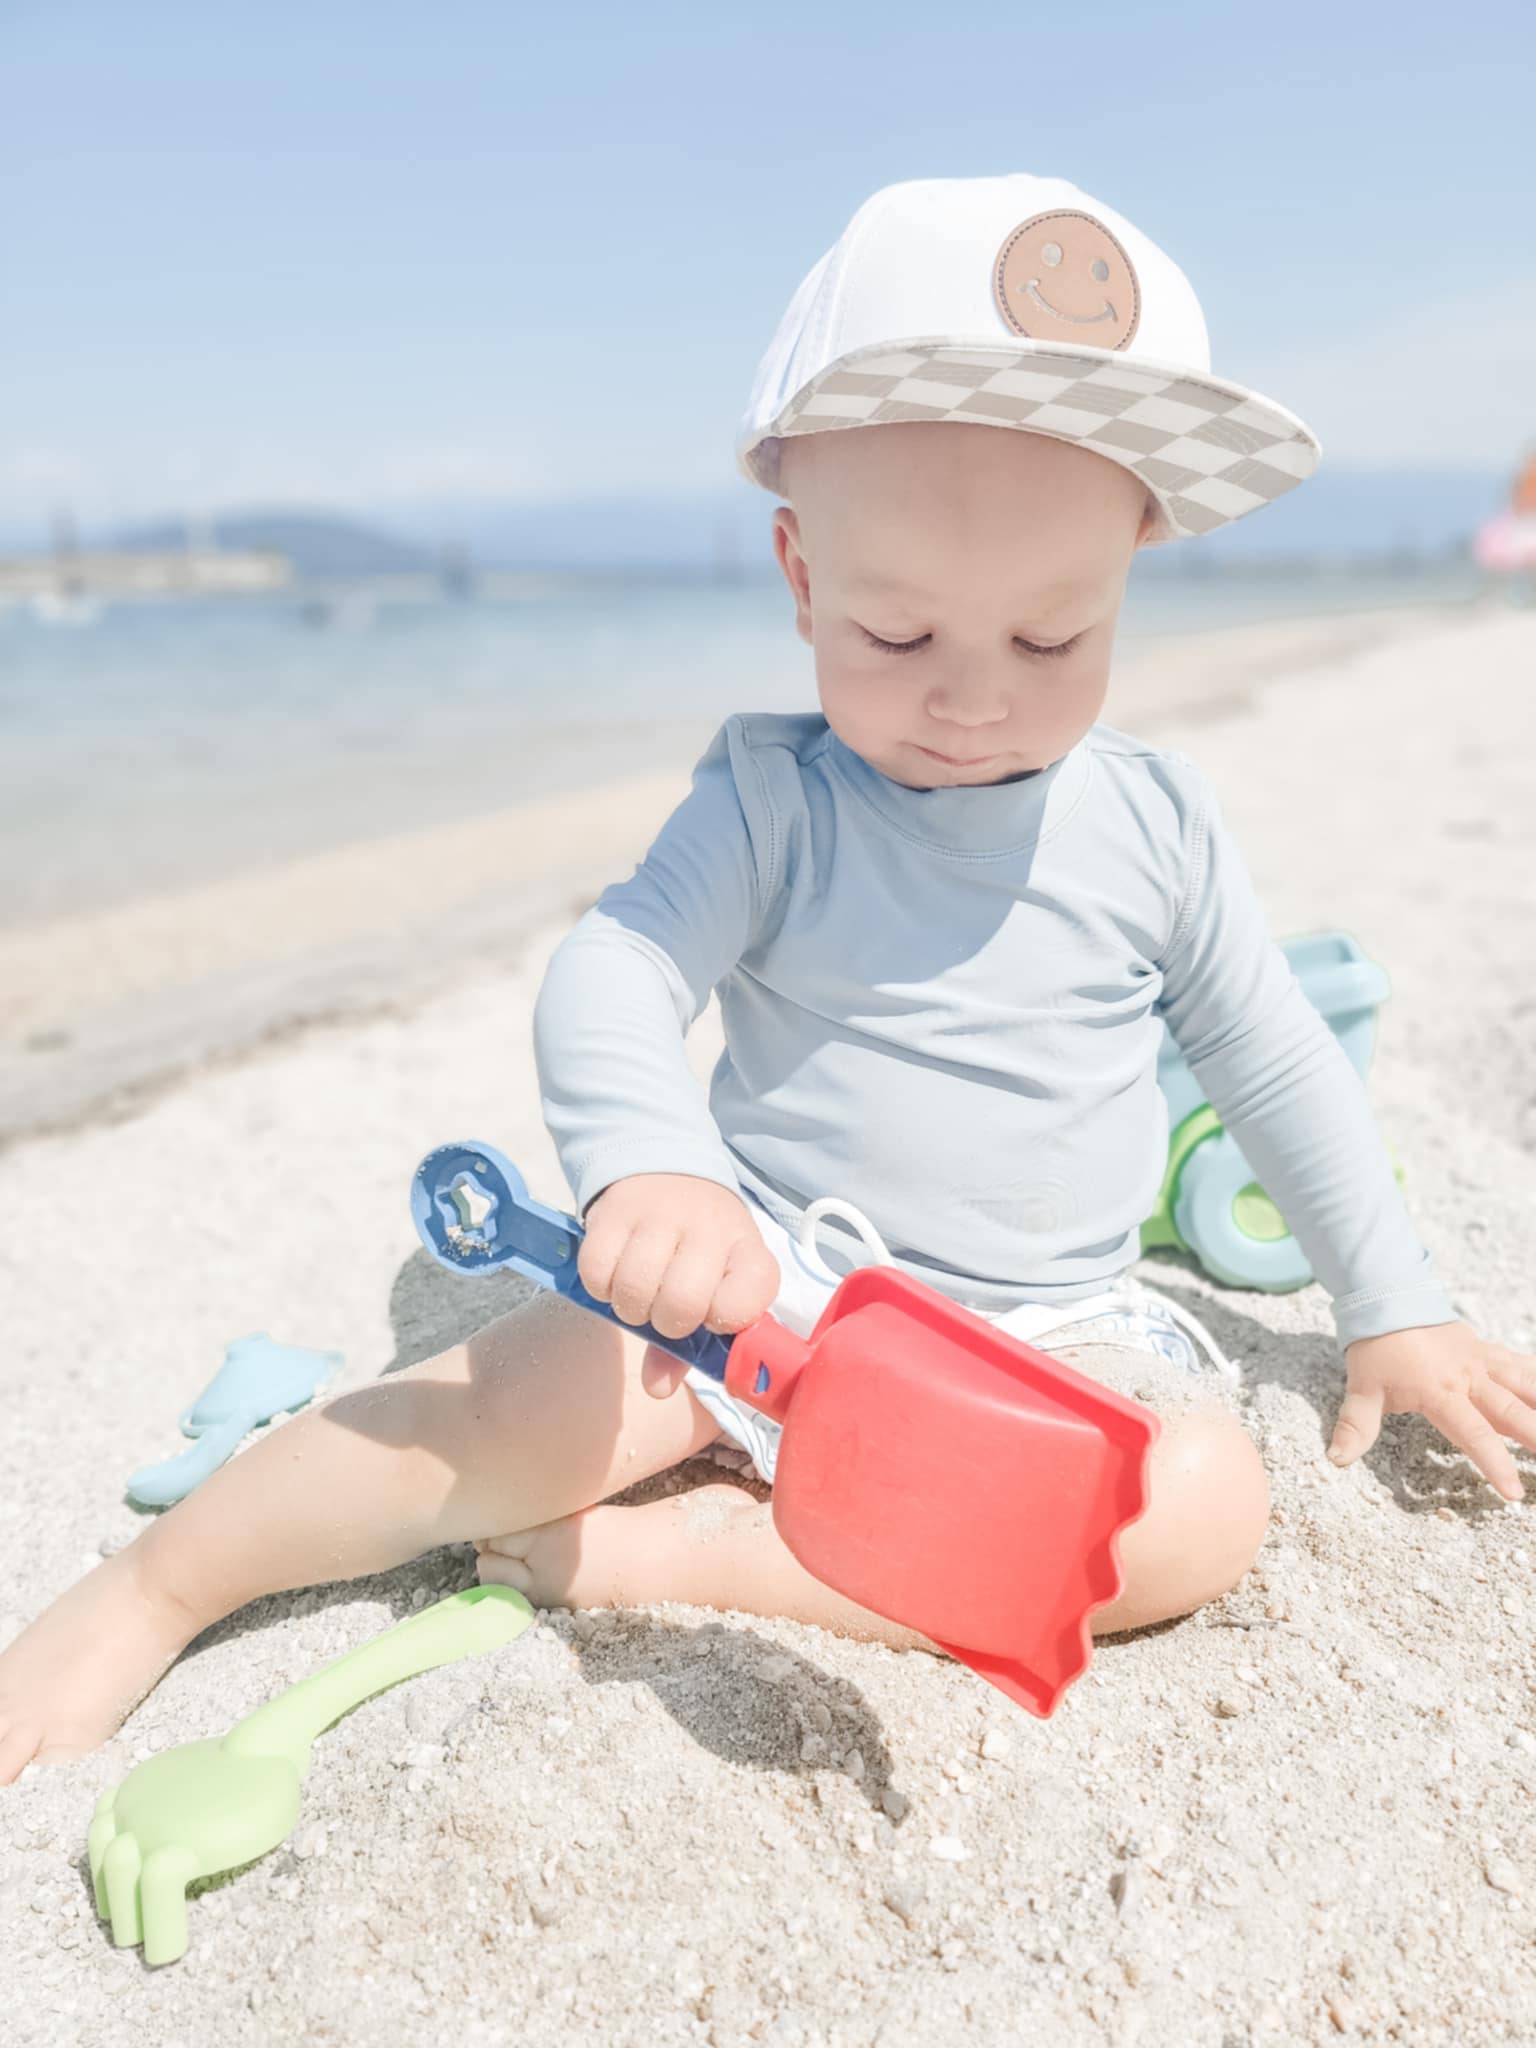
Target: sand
(1300, 1815)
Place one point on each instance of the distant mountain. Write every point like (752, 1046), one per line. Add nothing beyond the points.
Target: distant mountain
(726, 528)
(317, 544)
(1338, 513)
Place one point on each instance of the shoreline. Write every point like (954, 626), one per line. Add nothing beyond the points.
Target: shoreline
(102, 1009)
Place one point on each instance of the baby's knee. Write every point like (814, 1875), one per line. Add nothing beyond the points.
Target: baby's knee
(1210, 1495)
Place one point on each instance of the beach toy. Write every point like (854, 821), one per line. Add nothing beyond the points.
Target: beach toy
(258, 1379)
(206, 1807)
(1210, 1204)
(935, 1469)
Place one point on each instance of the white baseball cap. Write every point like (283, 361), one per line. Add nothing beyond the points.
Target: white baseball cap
(1021, 302)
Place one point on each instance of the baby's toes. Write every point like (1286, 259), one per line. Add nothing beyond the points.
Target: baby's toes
(496, 1570)
(18, 1747)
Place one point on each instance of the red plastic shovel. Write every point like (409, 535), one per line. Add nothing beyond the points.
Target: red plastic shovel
(932, 1468)
(948, 1476)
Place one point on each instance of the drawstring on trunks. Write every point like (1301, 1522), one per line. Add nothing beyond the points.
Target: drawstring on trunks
(1127, 1296)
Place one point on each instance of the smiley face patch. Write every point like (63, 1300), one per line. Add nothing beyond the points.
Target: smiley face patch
(1063, 277)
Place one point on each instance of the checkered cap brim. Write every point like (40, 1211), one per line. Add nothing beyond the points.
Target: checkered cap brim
(1208, 451)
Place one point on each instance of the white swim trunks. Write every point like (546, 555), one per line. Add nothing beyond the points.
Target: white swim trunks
(1126, 1314)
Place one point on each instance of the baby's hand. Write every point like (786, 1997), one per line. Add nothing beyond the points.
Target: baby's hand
(1474, 1392)
(676, 1251)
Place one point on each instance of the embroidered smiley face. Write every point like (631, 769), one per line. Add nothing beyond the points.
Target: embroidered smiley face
(1064, 277)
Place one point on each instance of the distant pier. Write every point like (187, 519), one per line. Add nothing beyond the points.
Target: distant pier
(184, 572)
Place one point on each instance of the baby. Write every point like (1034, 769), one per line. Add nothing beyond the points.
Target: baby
(946, 916)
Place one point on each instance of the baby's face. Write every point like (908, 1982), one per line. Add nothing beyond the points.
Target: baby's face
(960, 586)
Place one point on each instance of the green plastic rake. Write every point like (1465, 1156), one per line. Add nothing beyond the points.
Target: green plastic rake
(207, 1807)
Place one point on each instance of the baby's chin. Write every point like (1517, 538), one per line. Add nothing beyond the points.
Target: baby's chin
(917, 770)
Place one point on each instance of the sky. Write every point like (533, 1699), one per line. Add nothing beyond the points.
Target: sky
(384, 256)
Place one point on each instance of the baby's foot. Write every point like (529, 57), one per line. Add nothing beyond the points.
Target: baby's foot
(622, 1557)
(71, 1677)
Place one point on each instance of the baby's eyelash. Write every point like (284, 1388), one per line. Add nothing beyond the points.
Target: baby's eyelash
(911, 646)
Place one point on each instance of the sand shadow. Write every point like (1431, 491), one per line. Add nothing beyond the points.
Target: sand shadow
(431, 1309)
(764, 1707)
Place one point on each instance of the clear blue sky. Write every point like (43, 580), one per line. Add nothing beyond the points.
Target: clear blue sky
(389, 254)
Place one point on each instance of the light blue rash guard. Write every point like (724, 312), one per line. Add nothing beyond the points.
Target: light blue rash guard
(943, 1006)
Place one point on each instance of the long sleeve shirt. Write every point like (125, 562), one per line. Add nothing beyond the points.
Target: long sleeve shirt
(945, 1006)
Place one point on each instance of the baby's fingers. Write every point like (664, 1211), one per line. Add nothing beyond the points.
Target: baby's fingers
(1515, 1370)
(747, 1287)
(1357, 1428)
(637, 1278)
(1460, 1421)
(1507, 1412)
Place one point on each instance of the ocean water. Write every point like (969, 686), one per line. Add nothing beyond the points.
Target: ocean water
(147, 745)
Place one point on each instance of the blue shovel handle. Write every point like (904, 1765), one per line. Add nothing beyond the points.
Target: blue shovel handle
(473, 1212)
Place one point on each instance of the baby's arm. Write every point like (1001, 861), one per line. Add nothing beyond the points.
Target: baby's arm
(624, 986)
(1283, 1085)
(669, 1240)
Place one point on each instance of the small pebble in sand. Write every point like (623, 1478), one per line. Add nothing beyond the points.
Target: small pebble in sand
(1510, 1604)
(893, 1802)
(995, 1746)
(774, 1670)
(1502, 1874)
(948, 1849)
(1229, 1705)
(905, 1901)
(422, 1717)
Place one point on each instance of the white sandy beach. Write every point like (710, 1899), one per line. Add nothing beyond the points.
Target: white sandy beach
(1299, 1816)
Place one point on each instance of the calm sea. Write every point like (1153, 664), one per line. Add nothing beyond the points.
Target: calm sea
(146, 746)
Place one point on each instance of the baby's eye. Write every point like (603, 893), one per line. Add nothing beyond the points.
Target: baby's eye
(894, 646)
(911, 646)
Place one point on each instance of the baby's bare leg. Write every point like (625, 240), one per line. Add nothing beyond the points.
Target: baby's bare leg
(536, 1417)
(718, 1547)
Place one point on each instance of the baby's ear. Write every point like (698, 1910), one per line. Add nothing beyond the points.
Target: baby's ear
(786, 548)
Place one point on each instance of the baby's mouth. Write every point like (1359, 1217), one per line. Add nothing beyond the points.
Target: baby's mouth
(1077, 319)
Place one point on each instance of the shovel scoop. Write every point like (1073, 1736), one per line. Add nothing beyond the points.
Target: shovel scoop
(933, 1468)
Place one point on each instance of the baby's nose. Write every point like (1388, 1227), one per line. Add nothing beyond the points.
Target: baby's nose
(970, 701)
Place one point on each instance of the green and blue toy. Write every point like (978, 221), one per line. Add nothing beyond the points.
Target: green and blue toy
(1210, 1203)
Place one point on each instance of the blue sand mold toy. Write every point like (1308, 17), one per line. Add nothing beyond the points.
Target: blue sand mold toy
(258, 1379)
(474, 1213)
